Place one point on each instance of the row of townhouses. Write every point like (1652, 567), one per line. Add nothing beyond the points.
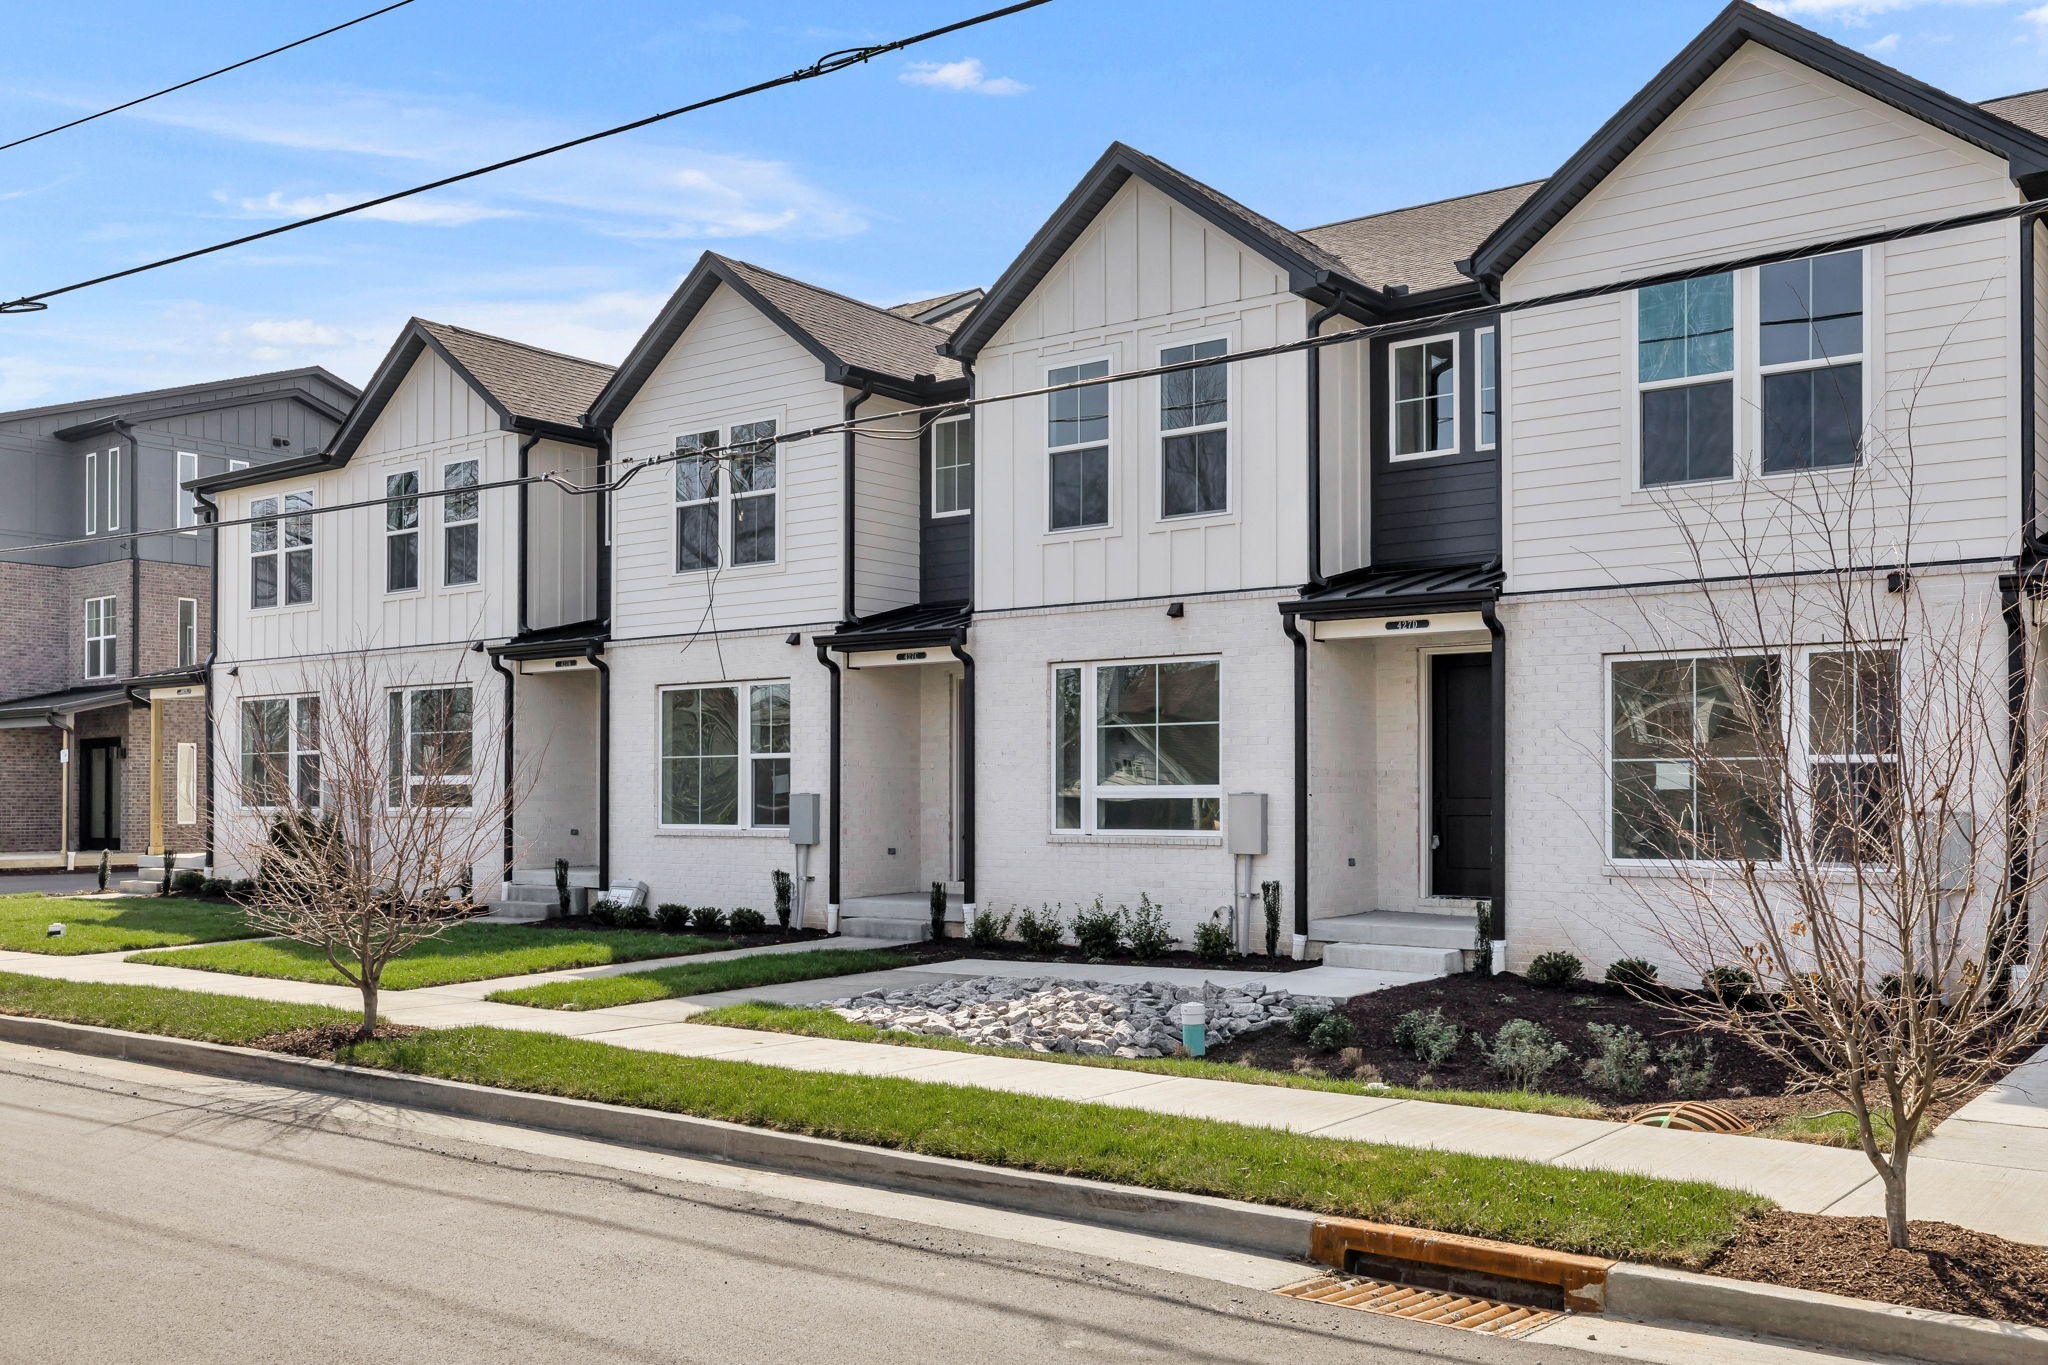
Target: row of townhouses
(1371, 620)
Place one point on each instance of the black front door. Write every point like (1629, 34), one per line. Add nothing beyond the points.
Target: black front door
(99, 793)
(1461, 774)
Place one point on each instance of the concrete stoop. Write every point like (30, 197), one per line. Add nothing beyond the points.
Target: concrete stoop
(531, 894)
(149, 871)
(1419, 943)
(902, 917)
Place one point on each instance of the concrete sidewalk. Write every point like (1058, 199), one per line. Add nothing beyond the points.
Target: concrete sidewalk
(1983, 1169)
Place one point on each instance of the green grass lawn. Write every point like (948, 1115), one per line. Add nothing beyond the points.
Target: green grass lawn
(822, 1023)
(97, 926)
(462, 952)
(700, 978)
(1602, 1213)
(1836, 1129)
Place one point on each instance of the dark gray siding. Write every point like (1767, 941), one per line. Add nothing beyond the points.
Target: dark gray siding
(946, 544)
(1440, 508)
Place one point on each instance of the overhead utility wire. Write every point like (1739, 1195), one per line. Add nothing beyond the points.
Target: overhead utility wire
(722, 454)
(171, 89)
(824, 66)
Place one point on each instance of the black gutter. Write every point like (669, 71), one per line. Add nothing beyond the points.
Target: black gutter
(1386, 606)
(604, 530)
(1288, 624)
(1497, 776)
(511, 742)
(1315, 447)
(848, 486)
(832, 783)
(526, 444)
(2011, 940)
(212, 510)
(591, 654)
(959, 648)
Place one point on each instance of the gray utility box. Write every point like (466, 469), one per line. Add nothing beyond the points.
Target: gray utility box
(1244, 823)
(803, 818)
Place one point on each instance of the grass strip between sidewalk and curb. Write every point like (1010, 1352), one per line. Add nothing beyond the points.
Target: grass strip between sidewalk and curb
(701, 978)
(112, 926)
(461, 952)
(1599, 1213)
(812, 1022)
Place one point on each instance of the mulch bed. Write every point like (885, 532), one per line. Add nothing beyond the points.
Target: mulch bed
(738, 940)
(326, 1040)
(1949, 1270)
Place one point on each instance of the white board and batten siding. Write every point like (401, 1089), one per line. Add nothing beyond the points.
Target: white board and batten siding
(1145, 275)
(1766, 154)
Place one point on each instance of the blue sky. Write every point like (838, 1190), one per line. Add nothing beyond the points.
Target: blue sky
(911, 176)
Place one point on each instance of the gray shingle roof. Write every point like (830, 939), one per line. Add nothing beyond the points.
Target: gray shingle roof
(1419, 246)
(2028, 109)
(862, 335)
(524, 380)
(1286, 237)
(950, 308)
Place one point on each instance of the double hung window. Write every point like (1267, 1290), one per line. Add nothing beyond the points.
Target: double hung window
(1810, 355)
(188, 631)
(281, 752)
(725, 756)
(743, 479)
(1424, 384)
(1852, 751)
(431, 746)
(953, 466)
(1137, 747)
(1487, 343)
(1685, 376)
(402, 531)
(1194, 432)
(460, 524)
(1077, 449)
(99, 637)
(188, 506)
(281, 550)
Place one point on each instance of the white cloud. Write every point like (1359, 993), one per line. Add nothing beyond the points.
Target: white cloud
(419, 212)
(964, 75)
(1888, 43)
(1855, 12)
(2037, 16)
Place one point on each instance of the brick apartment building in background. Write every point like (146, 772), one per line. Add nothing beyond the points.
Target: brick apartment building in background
(102, 678)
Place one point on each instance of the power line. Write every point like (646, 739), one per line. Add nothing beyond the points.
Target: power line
(824, 66)
(170, 89)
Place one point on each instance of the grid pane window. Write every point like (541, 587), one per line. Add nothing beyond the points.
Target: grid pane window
(1425, 387)
(1684, 331)
(1692, 774)
(281, 751)
(753, 471)
(99, 637)
(1810, 327)
(1077, 446)
(1144, 753)
(460, 524)
(1852, 737)
(188, 631)
(1488, 344)
(697, 503)
(432, 751)
(1194, 416)
(953, 466)
(402, 531)
(768, 750)
(1066, 779)
(725, 756)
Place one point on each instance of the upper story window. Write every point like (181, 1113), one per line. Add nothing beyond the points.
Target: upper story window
(1810, 356)
(188, 505)
(1077, 448)
(402, 531)
(281, 551)
(752, 467)
(1685, 366)
(114, 488)
(744, 480)
(431, 747)
(92, 492)
(280, 752)
(460, 524)
(1194, 432)
(953, 465)
(722, 766)
(1424, 384)
(1137, 747)
(1486, 343)
(99, 637)
(188, 631)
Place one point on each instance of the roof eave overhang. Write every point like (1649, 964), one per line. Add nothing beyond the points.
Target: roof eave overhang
(1312, 609)
(548, 649)
(254, 475)
(858, 641)
(574, 432)
(115, 421)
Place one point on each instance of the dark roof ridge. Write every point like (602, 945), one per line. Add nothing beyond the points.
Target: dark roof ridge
(297, 371)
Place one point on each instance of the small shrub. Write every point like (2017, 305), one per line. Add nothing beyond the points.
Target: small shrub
(216, 887)
(1147, 930)
(1556, 970)
(1688, 1068)
(633, 916)
(1925, 988)
(1634, 974)
(1303, 1021)
(1524, 1052)
(1039, 930)
(1213, 942)
(988, 929)
(671, 917)
(1269, 893)
(938, 909)
(244, 888)
(106, 866)
(1482, 942)
(1099, 932)
(604, 912)
(747, 920)
(190, 883)
(562, 887)
(1351, 1062)
(1621, 1061)
(785, 895)
(1730, 986)
(1432, 1038)
(708, 919)
(1334, 1031)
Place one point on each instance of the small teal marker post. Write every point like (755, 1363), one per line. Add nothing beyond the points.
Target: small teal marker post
(1194, 1028)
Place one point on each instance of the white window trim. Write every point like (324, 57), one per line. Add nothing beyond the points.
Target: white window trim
(293, 753)
(188, 606)
(111, 633)
(973, 467)
(92, 492)
(745, 700)
(1226, 426)
(419, 508)
(408, 779)
(1090, 793)
(312, 548)
(188, 511)
(1108, 443)
(1394, 349)
(725, 500)
(113, 488)
(1479, 340)
(234, 465)
(450, 522)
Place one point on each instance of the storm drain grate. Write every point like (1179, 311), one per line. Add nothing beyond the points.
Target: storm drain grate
(1421, 1305)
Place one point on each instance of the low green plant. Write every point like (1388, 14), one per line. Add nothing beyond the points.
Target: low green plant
(1730, 986)
(785, 896)
(1302, 1022)
(1556, 970)
(708, 919)
(216, 888)
(1431, 1038)
(1146, 930)
(1269, 894)
(1482, 943)
(989, 929)
(633, 915)
(562, 887)
(1688, 1068)
(1633, 974)
(938, 908)
(105, 867)
(1212, 940)
(1523, 1052)
(1621, 1062)
(1099, 932)
(1039, 930)
(671, 917)
(243, 888)
(604, 912)
(191, 883)
(1332, 1032)
(747, 920)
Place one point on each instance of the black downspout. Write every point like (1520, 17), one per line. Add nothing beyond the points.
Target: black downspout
(832, 788)
(1301, 814)
(212, 653)
(848, 487)
(2013, 940)
(604, 538)
(959, 648)
(1497, 784)
(2031, 546)
(604, 765)
(1315, 448)
(526, 443)
(511, 743)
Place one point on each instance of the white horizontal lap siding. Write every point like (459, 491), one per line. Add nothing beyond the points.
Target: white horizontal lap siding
(886, 525)
(432, 420)
(1145, 275)
(731, 365)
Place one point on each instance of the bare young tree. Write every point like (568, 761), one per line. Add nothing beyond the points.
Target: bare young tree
(366, 807)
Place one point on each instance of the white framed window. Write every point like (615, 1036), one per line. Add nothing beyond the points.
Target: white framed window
(1077, 449)
(234, 465)
(431, 746)
(953, 465)
(1137, 747)
(281, 550)
(1810, 362)
(188, 631)
(725, 756)
(280, 752)
(697, 484)
(1685, 380)
(1486, 386)
(1194, 432)
(99, 637)
(1422, 378)
(114, 488)
(1852, 749)
(743, 483)
(92, 492)
(461, 525)
(188, 505)
(751, 469)
(402, 531)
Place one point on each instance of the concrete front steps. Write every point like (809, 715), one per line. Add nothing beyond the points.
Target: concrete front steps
(1418, 942)
(149, 870)
(531, 895)
(901, 917)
